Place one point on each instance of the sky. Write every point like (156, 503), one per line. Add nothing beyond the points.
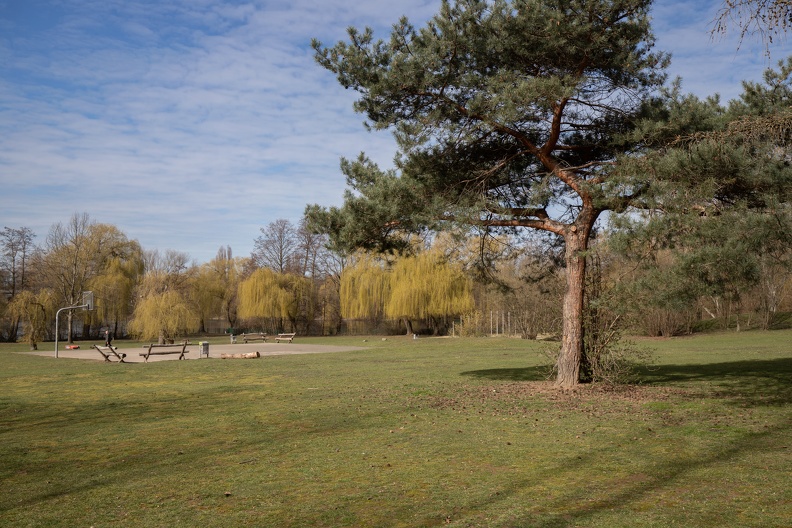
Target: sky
(192, 124)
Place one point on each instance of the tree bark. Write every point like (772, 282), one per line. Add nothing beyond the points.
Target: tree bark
(13, 330)
(248, 355)
(569, 358)
(69, 334)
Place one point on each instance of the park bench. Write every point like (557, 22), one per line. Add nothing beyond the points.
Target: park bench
(285, 337)
(254, 337)
(156, 350)
(110, 352)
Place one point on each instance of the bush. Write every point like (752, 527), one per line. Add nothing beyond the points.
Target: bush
(607, 357)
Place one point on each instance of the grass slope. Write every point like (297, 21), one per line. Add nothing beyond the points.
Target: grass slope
(460, 432)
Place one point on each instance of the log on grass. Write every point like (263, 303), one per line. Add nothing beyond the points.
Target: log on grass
(249, 355)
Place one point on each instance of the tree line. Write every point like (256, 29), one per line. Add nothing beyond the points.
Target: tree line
(469, 286)
(148, 293)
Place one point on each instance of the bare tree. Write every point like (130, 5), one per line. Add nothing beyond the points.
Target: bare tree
(276, 246)
(310, 250)
(763, 18)
(229, 271)
(67, 262)
(16, 246)
(164, 271)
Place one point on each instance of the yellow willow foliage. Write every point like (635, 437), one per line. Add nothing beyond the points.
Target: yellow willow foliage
(364, 289)
(206, 290)
(165, 315)
(36, 310)
(426, 286)
(228, 270)
(269, 294)
(114, 287)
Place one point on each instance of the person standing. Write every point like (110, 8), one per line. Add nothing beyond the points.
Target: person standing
(108, 338)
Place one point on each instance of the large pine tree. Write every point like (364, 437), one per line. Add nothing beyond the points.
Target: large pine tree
(507, 114)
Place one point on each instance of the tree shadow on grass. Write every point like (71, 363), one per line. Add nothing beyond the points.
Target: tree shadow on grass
(761, 382)
(749, 383)
(510, 374)
(577, 504)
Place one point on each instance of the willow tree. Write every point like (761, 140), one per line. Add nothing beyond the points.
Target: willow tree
(507, 114)
(68, 262)
(206, 293)
(114, 286)
(163, 317)
(213, 287)
(426, 287)
(277, 296)
(76, 255)
(365, 288)
(162, 296)
(36, 311)
(16, 250)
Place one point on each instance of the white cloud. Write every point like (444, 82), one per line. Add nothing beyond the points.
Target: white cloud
(190, 124)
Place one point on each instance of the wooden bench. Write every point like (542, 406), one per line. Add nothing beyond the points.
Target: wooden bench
(156, 350)
(110, 352)
(285, 337)
(254, 337)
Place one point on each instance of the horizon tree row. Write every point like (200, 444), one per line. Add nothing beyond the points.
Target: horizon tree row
(708, 278)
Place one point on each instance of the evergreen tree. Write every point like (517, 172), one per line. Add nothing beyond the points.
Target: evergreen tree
(719, 199)
(507, 114)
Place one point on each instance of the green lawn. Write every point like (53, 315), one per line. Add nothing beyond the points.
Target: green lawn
(459, 432)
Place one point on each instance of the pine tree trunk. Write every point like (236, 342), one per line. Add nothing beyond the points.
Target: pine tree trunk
(569, 358)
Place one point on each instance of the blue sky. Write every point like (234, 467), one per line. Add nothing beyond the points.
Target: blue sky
(191, 124)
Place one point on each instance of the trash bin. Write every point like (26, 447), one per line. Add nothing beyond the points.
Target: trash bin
(203, 349)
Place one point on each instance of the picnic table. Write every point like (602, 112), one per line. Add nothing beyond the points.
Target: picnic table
(156, 349)
(109, 353)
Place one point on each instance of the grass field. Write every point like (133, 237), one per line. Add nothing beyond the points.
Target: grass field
(433, 432)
